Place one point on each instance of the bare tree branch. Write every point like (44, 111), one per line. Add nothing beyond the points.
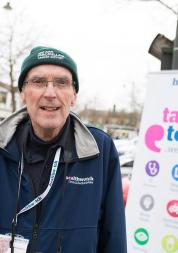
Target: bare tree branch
(162, 3)
(14, 43)
(167, 6)
(7, 87)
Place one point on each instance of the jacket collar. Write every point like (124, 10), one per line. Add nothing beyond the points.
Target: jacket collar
(85, 143)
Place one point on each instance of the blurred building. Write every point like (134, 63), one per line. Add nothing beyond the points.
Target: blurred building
(119, 124)
(5, 103)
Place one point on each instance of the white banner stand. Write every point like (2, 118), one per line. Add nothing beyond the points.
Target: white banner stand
(152, 206)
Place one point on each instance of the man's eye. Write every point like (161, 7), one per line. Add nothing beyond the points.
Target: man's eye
(38, 80)
(60, 81)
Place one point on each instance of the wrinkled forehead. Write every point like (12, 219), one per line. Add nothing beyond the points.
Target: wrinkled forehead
(49, 70)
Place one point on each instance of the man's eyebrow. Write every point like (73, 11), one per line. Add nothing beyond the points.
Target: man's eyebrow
(36, 76)
(61, 75)
(56, 76)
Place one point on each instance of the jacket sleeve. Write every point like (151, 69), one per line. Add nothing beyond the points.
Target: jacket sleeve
(112, 234)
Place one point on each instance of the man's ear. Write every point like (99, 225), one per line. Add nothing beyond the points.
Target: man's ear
(73, 101)
(22, 96)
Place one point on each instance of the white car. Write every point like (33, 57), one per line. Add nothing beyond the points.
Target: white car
(126, 146)
(126, 165)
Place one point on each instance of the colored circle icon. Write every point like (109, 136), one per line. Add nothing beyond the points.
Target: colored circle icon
(175, 172)
(147, 202)
(153, 136)
(152, 168)
(141, 236)
(172, 208)
(170, 243)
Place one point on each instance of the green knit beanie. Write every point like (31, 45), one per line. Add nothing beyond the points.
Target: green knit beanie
(47, 55)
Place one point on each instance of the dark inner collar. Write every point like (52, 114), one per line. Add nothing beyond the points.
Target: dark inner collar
(35, 149)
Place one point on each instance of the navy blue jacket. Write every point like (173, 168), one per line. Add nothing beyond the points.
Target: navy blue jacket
(83, 212)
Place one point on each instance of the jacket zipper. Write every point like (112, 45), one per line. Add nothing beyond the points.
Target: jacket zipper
(36, 224)
(35, 236)
(59, 245)
(59, 250)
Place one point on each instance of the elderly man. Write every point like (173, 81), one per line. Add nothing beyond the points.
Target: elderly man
(60, 183)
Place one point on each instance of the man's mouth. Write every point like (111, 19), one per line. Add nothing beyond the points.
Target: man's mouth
(47, 108)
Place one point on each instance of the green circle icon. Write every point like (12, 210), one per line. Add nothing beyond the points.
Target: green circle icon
(141, 236)
(170, 243)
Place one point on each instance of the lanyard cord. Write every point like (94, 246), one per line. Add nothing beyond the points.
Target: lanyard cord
(38, 199)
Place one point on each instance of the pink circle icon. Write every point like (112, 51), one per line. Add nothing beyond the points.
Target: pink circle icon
(172, 208)
(153, 134)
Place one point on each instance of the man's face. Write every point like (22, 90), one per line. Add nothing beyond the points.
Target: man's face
(48, 106)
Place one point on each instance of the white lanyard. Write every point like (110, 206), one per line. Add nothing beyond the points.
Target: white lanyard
(39, 198)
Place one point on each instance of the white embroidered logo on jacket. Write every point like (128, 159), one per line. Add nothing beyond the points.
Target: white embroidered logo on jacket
(79, 180)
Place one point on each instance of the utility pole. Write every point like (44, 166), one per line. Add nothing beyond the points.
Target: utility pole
(7, 6)
(169, 54)
(175, 50)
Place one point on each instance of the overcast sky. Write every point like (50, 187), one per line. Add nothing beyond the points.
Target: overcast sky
(109, 40)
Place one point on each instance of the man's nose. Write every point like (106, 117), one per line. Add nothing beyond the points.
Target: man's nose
(50, 90)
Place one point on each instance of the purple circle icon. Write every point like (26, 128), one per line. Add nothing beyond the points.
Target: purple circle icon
(152, 168)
